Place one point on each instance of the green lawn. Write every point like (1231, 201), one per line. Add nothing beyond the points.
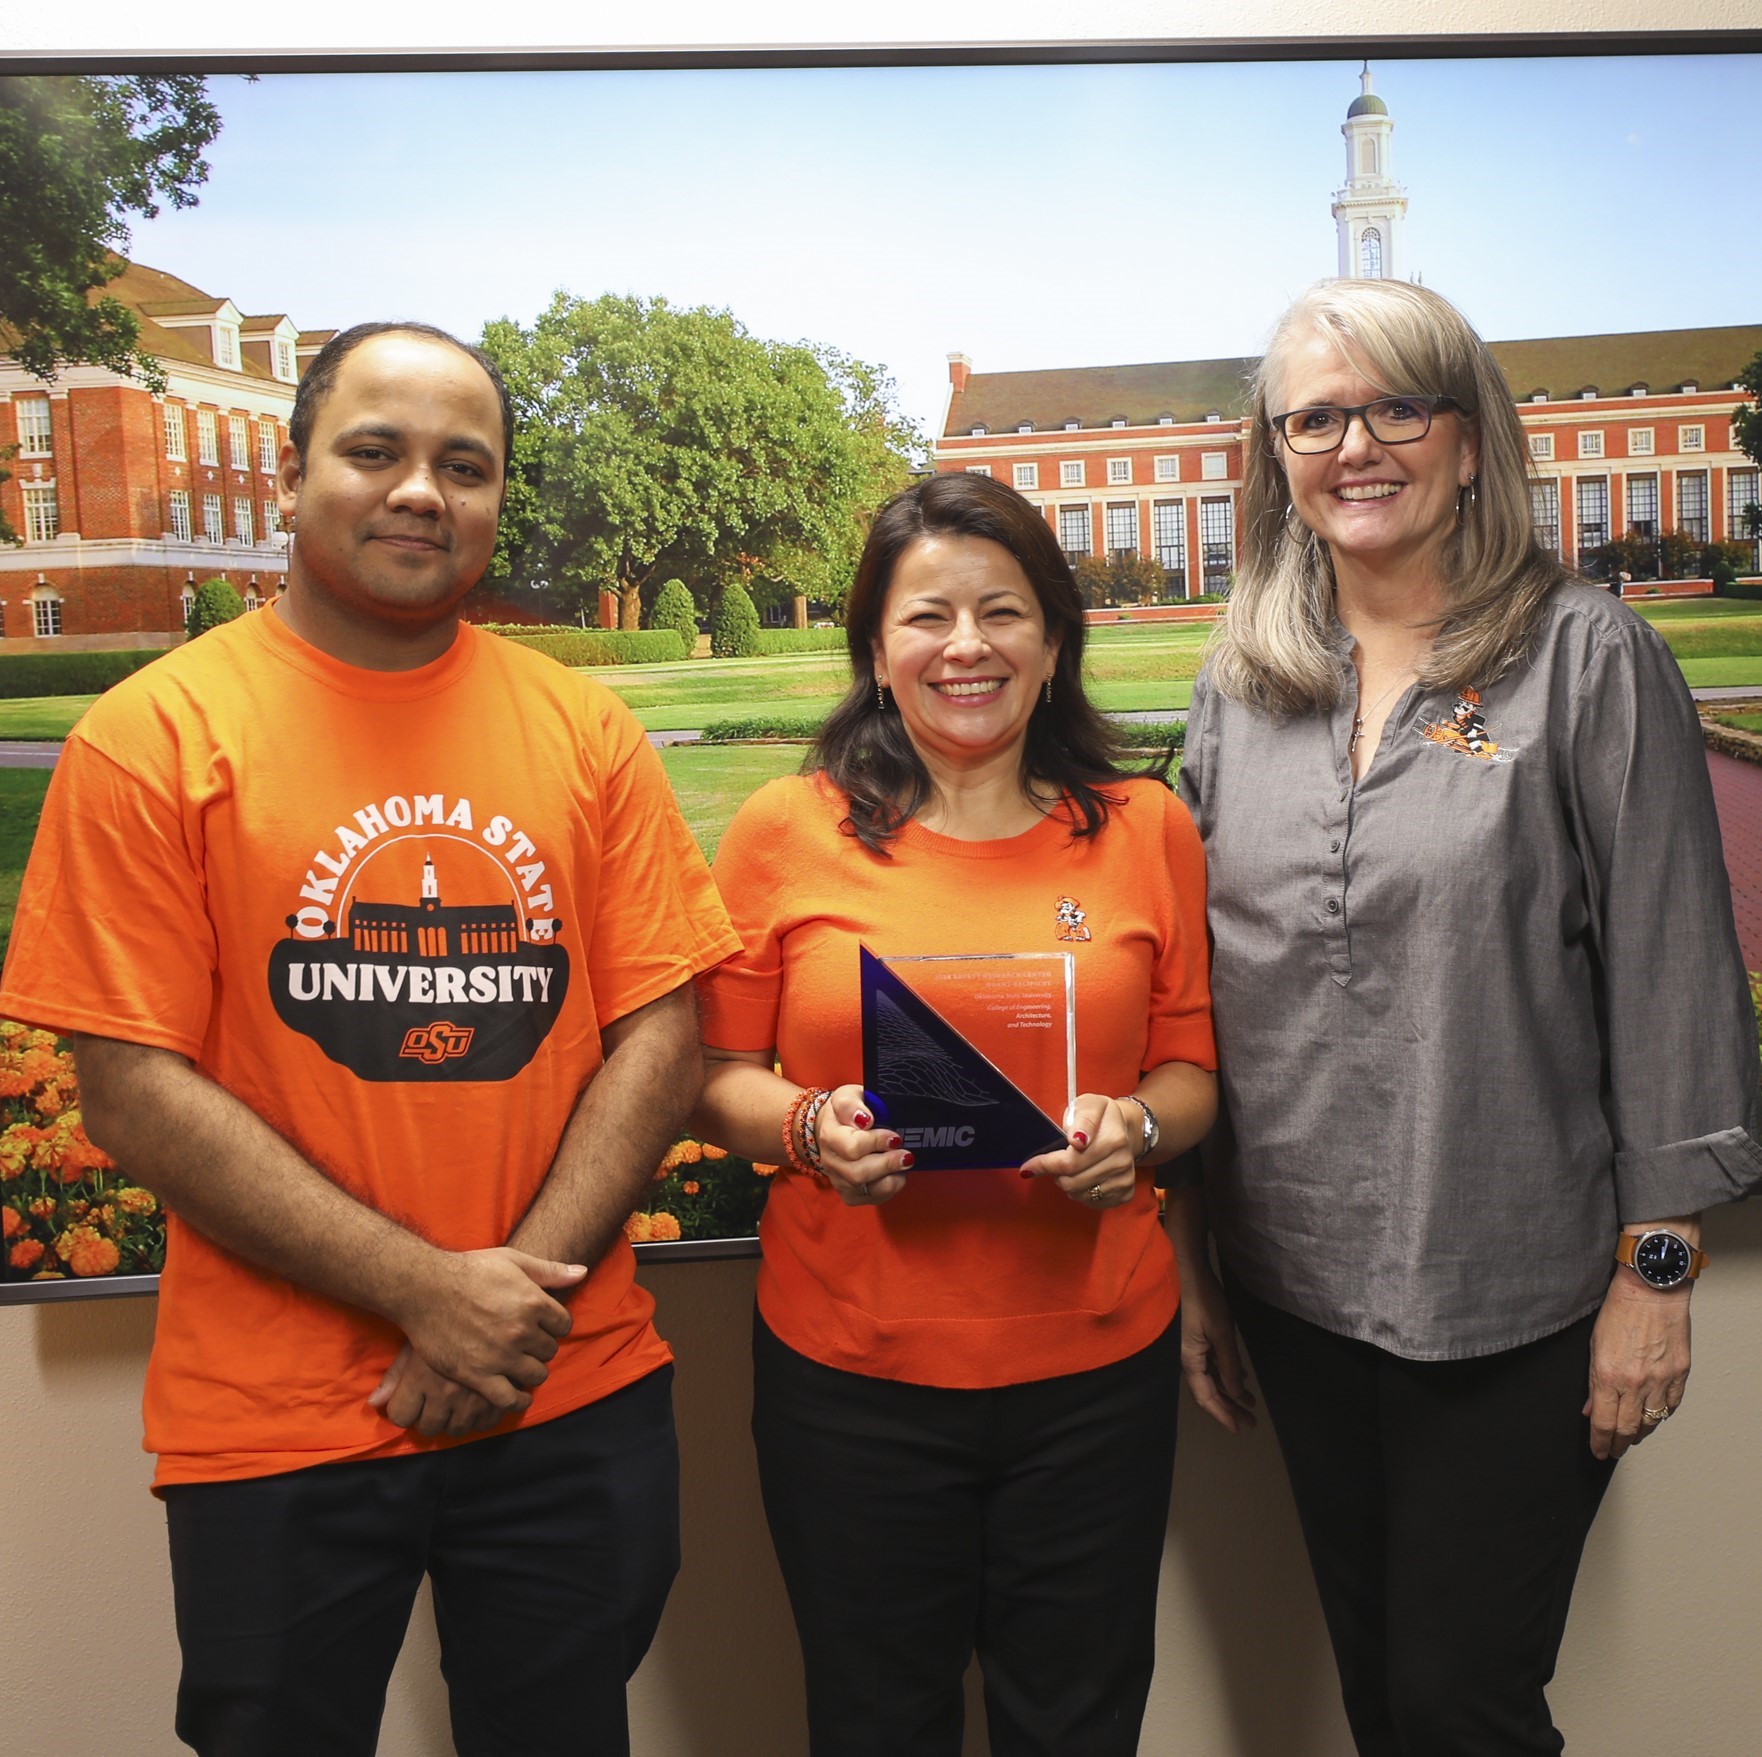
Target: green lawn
(21, 803)
(38, 717)
(710, 781)
(1740, 722)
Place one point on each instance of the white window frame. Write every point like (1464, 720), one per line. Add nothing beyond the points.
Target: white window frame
(978, 469)
(1119, 472)
(284, 361)
(1590, 442)
(1542, 447)
(1214, 466)
(1072, 473)
(226, 345)
(1026, 477)
(213, 519)
(36, 439)
(271, 518)
(1071, 512)
(238, 443)
(253, 598)
(268, 451)
(1640, 442)
(177, 434)
(1691, 438)
(186, 602)
(1113, 518)
(242, 521)
(207, 437)
(181, 527)
(42, 512)
(46, 614)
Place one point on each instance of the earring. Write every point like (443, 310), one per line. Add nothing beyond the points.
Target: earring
(1467, 498)
(1049, 689)
(881, 695)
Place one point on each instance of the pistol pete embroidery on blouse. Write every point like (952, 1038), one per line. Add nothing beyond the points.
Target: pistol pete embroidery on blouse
(1070, 916)
(1466, 731)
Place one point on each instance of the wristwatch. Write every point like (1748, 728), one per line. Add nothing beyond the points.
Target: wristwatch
(1661, 1258)
(1152, 1128)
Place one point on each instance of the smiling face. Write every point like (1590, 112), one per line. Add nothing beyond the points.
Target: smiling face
(1386, 508)
(963, 646)
(396, 500)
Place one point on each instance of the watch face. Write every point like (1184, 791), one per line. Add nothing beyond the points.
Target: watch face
(1662, 1258)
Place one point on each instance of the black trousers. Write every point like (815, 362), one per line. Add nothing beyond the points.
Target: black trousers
(551, 1552)
(1445, 1505)
(916, 1525)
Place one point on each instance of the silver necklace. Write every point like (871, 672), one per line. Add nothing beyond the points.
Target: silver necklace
(1358, 719)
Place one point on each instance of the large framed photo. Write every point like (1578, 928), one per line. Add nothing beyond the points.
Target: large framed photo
(740, 305)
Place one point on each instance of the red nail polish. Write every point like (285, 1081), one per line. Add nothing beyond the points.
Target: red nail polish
(862, 1119)
(894, 1143)
(907, 1162)
(1025, 1176)
(1080, 1138)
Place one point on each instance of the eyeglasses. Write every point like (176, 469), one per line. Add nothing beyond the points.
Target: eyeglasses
(1390, 421)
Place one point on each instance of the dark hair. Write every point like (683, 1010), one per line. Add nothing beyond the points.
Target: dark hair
(865, 751)
(320, 380)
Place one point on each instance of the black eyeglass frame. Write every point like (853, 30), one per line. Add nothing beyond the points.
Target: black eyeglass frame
(1430, 404)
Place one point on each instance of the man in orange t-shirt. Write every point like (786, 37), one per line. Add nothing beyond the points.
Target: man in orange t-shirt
(375, 936)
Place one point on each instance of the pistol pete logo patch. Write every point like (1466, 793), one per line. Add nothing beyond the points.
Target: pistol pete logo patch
(1465, 732)
(424, 945)
(1069, 916)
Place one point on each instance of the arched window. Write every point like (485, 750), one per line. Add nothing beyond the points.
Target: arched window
(1370, 254)
(1367, 157)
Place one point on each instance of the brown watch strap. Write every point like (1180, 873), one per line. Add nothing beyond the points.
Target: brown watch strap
(1629, 1242)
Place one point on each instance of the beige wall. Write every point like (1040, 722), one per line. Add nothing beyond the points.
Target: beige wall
(1661, 1640)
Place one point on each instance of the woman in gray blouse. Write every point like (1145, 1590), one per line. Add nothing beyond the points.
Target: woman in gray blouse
(1485, 1042)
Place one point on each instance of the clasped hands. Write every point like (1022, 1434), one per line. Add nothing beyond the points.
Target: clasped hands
(478, 1334)
(866, 1165)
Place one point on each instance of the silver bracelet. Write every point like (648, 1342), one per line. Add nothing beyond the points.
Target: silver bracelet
(1152, 1128)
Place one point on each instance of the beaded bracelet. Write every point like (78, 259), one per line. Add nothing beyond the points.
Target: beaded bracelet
(810, 1128)
(797, 1105)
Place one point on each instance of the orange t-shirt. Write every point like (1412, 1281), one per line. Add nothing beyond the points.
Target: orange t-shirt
(966, 1278)
(389, 912)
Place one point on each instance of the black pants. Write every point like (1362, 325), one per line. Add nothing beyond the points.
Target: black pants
(915, 1525)
(551, 1552)
(1445, 1505)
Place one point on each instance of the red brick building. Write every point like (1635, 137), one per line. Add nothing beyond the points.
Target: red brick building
(125, 500)
(1627, 433)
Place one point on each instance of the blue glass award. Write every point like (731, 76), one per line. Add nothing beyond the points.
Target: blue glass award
(970, 1058)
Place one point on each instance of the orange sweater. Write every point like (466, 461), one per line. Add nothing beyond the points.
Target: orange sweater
(972, 1278)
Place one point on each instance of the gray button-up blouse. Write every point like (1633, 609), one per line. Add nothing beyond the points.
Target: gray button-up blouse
(1479, 1009)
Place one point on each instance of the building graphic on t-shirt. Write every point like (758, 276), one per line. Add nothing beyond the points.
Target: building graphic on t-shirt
(425, 990)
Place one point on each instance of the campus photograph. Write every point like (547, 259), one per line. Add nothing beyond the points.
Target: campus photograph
(738, 310)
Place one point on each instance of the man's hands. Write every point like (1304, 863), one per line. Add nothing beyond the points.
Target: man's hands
(479, 1337)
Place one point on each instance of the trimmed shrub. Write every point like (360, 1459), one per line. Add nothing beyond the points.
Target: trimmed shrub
(782, 725)
(600, 646)
(1750, 589)
(675, 609)
(773, 641)
(734, 629)
(215, 602)
(23, 675)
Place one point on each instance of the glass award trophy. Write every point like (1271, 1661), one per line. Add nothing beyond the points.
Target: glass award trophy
(971, 1058)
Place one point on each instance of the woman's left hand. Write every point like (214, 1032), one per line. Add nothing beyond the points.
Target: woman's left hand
(1099, 1168)
(1639, 1362)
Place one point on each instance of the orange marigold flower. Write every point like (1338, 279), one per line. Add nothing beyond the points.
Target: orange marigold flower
(48, 1275)
(11, 1223)
(89, 1253)
(663, 1226)
(26, 1254)
(672, 1159)
(714, 1152)
(41, 1206)
(689, 1152)
(132, 1199)
(764, 1170)
(691, 1186)
(636, 1228)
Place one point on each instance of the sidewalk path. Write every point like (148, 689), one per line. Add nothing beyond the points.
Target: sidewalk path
(1737, 791)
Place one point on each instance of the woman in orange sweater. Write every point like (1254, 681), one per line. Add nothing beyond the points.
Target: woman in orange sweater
(965, 1381)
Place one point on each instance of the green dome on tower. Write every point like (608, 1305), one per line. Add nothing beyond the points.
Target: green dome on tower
(1367, 104)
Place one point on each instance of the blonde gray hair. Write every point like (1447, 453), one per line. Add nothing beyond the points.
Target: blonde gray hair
(1275, 647)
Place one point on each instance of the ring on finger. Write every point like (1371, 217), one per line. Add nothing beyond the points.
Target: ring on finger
(1097, 1194)
(1651, 1417)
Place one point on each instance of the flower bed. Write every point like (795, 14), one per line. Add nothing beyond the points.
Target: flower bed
(701, 1192)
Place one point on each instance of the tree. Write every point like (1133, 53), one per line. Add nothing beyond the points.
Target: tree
(1124, 577)
(76, 155)
(675, 609)
(734, 629)
(653, 442)
(215, 602)
(1746, 418)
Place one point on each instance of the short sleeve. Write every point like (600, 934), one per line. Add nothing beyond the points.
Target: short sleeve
(658, 921)
(1682, 1061)
(1190, 781)
(739, 1001)
(112, 936)
(1180, 984)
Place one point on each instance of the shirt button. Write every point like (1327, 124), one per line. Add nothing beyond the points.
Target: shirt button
(1334, 846)
(1333, 905)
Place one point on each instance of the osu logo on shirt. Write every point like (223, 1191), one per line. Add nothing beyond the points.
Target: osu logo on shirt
(438, 1042)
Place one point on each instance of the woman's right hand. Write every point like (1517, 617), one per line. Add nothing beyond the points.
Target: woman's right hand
(864, 1164)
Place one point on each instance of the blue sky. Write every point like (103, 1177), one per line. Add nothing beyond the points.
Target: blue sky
(1029, 217)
